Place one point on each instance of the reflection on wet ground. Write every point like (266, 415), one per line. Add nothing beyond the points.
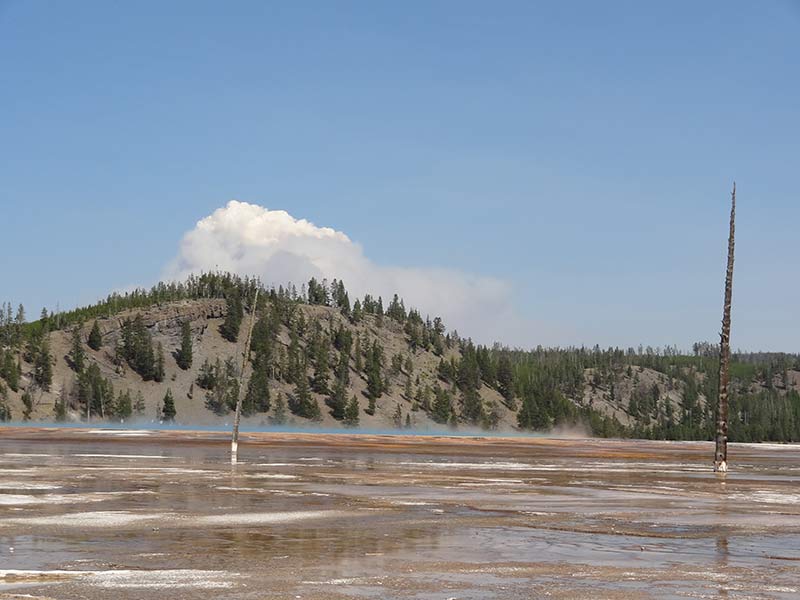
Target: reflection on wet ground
(108, 514)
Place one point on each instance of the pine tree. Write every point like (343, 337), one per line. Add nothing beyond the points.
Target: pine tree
(77, 354)
(168, 412)
(424, 397)
(221, 398)
(5, 322)
(5, 410)
(137, 347)
(298, 402)
(397, 364)
(257, 397)
(531, 415)
(43, 366)
(94, 392)
(468, 374)
(263, 339)
(472, 407)
(207, 377)
(343, 300)
(95, 337)
(184, 354)
(407, 391)
(294, 370)
(19, 321)
(27, 402)
(374, 364)
(441, 405)
(343, 366)
(301, 403)
(338, 399)
(351, 413)
(123, 407)
(233, 317)
(318, 292)
(9, 369)
(444, 370)
(279, 415)
(343, 340)
(32, 346)
(505, 379)
(358, 313)
(313, 411)
(319, 381)
(158, 370)
(397, 418)
(397, 309)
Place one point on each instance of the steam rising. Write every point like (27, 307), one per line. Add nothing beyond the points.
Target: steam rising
(252, 240)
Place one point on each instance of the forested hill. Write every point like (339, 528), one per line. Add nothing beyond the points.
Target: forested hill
(174, 353)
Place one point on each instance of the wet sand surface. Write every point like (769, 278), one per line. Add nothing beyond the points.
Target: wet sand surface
(137, 514)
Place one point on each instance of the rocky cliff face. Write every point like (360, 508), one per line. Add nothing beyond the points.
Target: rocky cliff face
(165, 318)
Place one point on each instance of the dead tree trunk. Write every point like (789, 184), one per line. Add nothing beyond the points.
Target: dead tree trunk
(721, 452)
(238, 416)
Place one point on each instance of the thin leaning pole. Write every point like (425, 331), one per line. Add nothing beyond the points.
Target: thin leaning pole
(238, 416)
(721, 451)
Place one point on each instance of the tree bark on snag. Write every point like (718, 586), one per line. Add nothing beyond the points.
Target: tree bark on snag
(238, 414)
(721, 452)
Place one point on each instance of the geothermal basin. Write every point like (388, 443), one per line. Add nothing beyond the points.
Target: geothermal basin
(162, 514)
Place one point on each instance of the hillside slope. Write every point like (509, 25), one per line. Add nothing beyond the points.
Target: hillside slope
(205, 318)
(317, 360)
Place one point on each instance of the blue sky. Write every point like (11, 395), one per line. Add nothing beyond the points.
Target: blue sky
(583, 152)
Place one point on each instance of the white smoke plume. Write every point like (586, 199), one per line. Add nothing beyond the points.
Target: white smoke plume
(249, 239)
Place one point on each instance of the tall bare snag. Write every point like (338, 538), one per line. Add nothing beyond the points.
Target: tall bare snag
(721, 452)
